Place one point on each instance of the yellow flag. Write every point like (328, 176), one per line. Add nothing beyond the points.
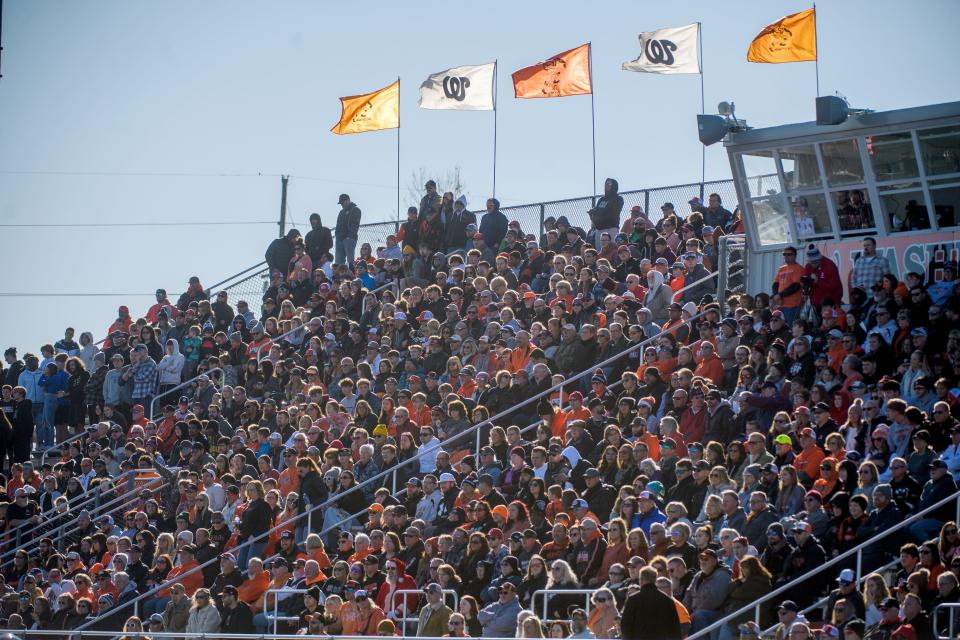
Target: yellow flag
(792, 38)
(370, 112)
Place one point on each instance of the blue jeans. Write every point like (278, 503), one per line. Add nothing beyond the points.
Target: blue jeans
(345, 248)
(45, 428)
(254, 550)
(154, 605)
(702, 619)
(926, 529)
(263, 622)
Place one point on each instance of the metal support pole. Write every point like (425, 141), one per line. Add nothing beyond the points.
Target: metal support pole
(542, 216)
(283, 205)
(859, 564)
(646, 203)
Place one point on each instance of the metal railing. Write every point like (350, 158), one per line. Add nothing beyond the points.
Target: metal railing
(547, 593)
(276, 617)
(42, 529)
(391, 605)
(179, 635)
(856, 552)
(951, 623)
(307, 515)
(153, 401)
(58, 447)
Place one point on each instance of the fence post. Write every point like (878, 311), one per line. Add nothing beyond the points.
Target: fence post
(701, 191)
(542, 212)
(646, 203)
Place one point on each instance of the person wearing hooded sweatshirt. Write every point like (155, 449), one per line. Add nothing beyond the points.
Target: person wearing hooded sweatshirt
(171, 366)
(493, 225)
(457, 222)
(658, 297)
(707, 591)
(605, 217)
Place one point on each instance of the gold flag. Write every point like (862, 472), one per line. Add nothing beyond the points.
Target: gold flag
(792, 38)
(370, 111)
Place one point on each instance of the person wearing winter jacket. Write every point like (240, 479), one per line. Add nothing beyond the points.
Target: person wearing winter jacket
(605, 217)
(457, 222)
(170, 368)
(204, 617)
(708, 591)
(499, 619)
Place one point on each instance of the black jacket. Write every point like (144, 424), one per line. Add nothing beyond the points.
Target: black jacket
(649, 613)
(278, 255)
(607, 212)
(318, 242)
(348, 222)
(236, 620)
(456, 231)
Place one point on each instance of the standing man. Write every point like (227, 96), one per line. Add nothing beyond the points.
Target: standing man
(347, 230)
(649, 613)
(869, 268)
(280, 252)
(788, 287)
(319, 240)
(605, 217)
(457, 223)
(144, 374)
(493, 226)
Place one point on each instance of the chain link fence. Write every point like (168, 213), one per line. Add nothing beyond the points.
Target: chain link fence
(531, 217)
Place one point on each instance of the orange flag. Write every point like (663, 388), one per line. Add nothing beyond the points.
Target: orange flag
(792, 38)
(565, 74)
(370, 111)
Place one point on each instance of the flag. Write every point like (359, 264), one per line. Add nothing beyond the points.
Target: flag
(370, 111)
(467, 88)
(565, 74)
(670, 50)
(792, 38)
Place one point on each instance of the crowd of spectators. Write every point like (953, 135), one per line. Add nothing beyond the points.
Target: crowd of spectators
(421, 438)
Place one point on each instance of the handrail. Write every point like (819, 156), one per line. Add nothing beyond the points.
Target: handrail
(85, 499)
(952, 621)
(153, 400)
(209, 290)
(695, 283)
(179, 635)
(855, 551)
(357, 487)
(276, 604)
(416, 618)
(94, 513)
(58, 446)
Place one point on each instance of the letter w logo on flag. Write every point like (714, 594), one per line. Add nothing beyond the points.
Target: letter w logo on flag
(670, 50)
(468, 88)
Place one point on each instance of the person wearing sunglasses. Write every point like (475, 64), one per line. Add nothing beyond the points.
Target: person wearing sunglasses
(499, 618)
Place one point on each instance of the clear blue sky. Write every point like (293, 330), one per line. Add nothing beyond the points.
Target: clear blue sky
(248, 87)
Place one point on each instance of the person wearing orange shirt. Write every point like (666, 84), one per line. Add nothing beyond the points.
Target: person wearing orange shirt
(252, 589)
(807, 462)
(788, 286)
(289, 480)
(554, 418)
(576, 411)
(710, 367)
(520, 355)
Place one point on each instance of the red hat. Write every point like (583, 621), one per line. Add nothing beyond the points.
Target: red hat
(636, 209)
(529, 295)
(495, 533)
(576, 395)
(401, 566)
(802, 410)
(807, 432)
(514, 223)
(813, 493)
(138, 407)
(504, 255)
(777, 314)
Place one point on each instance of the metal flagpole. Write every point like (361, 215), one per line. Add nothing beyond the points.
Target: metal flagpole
(496, 68)
(398, 153)
(593, 122)
(703, 108)
(816, 45)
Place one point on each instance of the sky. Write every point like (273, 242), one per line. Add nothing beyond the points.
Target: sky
(138, 113)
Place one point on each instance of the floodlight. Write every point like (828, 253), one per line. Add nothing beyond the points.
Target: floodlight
(831, 110)
(711, 129)
(725, 108)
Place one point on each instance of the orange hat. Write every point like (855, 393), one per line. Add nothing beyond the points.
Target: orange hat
(529, 295)
(376, 506)
(901, 291)
(501, 510)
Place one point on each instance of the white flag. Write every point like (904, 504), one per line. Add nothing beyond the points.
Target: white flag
(467, 88)
(671, 50)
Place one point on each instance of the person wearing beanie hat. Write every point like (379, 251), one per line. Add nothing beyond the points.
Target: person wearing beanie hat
(823, 277)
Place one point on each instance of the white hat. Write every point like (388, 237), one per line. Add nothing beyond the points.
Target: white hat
(447, 477)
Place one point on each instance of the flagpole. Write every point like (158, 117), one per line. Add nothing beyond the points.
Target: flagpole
(816, 45)
(496, 68)
(593, 121)
(398, 153)
(703, 108)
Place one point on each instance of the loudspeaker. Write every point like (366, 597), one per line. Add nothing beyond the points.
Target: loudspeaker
(831, 110)
(711, 129)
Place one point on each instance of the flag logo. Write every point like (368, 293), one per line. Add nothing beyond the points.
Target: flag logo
(455, 87)
(660, 51)
(669, 50)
